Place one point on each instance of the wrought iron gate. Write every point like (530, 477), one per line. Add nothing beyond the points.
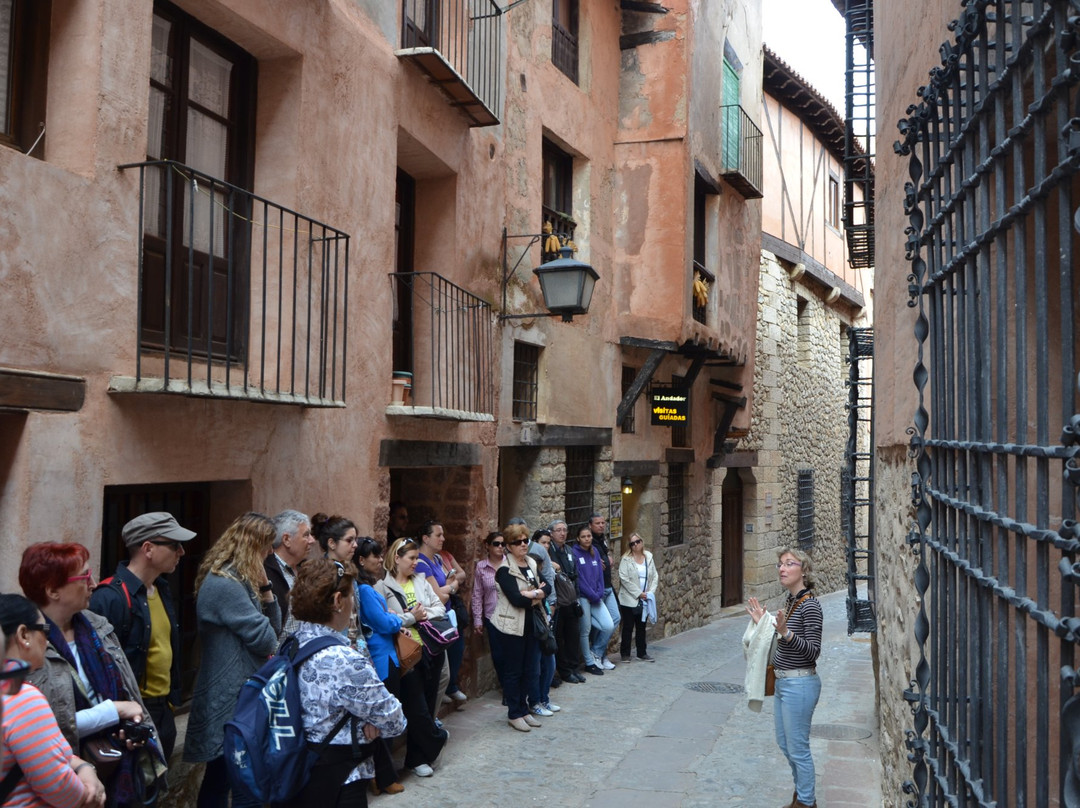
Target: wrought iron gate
(994, 149)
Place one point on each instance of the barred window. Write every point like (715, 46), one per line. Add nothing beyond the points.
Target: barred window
(526, 375)
(676, 502)
(580, 473)
(805, 530)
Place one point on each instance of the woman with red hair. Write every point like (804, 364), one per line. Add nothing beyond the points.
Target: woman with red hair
(86, 677)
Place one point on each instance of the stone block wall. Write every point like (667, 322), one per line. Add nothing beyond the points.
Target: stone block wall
(799, 422)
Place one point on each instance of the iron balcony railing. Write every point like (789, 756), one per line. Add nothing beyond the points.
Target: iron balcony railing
(459, 44)
(451, 341)
(741, 151)
(238, 297)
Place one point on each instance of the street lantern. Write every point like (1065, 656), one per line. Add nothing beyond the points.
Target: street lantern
(566, 283)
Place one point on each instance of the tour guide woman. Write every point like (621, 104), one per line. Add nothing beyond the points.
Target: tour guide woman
(798, 630)
(519, 592)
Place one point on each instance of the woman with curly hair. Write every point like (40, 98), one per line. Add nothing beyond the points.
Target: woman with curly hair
(239, 621)
(338, 683)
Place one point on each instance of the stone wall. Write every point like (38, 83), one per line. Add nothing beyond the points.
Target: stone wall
(684, 593)
(897, 605)
(799, 423)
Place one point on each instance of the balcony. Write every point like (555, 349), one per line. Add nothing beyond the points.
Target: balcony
(741, 151)
(238, 297)
(446, 340)
(458, 44)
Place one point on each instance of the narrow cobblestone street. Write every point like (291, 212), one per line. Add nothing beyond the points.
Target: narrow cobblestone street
(644, 735)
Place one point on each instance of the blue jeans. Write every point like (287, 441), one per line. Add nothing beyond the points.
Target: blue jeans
(612, 604)
(796, 698)
(594, 616)
(542, 693)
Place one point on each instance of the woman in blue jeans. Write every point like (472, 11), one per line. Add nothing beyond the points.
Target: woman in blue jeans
(595, 615)
(798, 631)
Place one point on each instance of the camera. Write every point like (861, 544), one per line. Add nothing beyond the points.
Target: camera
(137, 731)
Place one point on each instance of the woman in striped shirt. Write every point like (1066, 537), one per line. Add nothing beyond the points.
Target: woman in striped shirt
(798, 631)
(51, 775)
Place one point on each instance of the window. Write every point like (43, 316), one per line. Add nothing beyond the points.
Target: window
(558, 194)
(805, 528)
(701, 232)
(24, 60)
(404, 237)
(676, 503)
(805, 349)
(580, 473)
(421, 18)
(526, 374)
(564, 37)
(834, 201)
(202, 89)
(629, 424)
(732, 97)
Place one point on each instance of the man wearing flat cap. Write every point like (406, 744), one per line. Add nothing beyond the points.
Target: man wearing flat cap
(136, 600)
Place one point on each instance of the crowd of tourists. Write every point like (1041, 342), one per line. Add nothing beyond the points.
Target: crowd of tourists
(91, 676)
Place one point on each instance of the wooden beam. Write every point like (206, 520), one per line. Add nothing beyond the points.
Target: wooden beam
(32, 390)
(646, 8)
(628, 41)
(643, 377)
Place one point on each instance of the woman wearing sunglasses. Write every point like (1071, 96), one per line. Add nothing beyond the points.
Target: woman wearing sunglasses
(85, 676)
(637, 581)
(32, 741)
(423, 739)
(409, 596)
(485, 596)
(519, 591)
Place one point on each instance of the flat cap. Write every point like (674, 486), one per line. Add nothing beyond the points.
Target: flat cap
(156, 525)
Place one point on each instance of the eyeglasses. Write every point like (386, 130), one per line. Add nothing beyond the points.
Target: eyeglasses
(13, 676)
(517, 542)
(789, 564)
(44, 629)
(87, 576)
(498, 544)
(175, 545)
(635, 542)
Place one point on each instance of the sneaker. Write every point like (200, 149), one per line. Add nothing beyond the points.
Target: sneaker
(438, 723)
(554, 708)
(518, 724)
(626, 657)
(541, 710)
(647, 658)
(594, 670)
(606, 664)
(532, 722)
(423, 770)
(446, 699)
(458, 696)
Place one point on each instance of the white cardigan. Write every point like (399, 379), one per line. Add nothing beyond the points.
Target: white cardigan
(757, 643)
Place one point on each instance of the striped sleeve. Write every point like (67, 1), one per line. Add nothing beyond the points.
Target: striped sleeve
(32, 737)
(803, 649)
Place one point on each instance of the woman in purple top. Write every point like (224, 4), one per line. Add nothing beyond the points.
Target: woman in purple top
(595, 617)
(485, 596)
(445, 582)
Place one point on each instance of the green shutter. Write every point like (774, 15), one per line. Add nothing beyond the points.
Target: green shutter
(730, 123)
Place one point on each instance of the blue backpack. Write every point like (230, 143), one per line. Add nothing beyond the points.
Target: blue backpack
(266, 752)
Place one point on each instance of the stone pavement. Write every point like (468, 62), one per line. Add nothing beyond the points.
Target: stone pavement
(668, 734)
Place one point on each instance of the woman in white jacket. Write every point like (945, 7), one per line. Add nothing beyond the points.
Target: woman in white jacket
(409, 595)
(637, 581)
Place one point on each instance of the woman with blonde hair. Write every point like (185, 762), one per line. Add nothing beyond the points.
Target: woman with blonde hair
(637, 580)
(409, 596)
(239, 621)
(798, 632)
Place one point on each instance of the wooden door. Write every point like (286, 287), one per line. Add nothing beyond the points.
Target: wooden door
(731, 521)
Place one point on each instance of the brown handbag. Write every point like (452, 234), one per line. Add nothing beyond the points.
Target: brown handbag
(100, 751)
(408, 650)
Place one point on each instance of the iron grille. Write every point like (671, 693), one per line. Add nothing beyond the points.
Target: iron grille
(526, 373)
(805, 510)
(993, 148)
(580, 474)
(859, 133)
(676, 503)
